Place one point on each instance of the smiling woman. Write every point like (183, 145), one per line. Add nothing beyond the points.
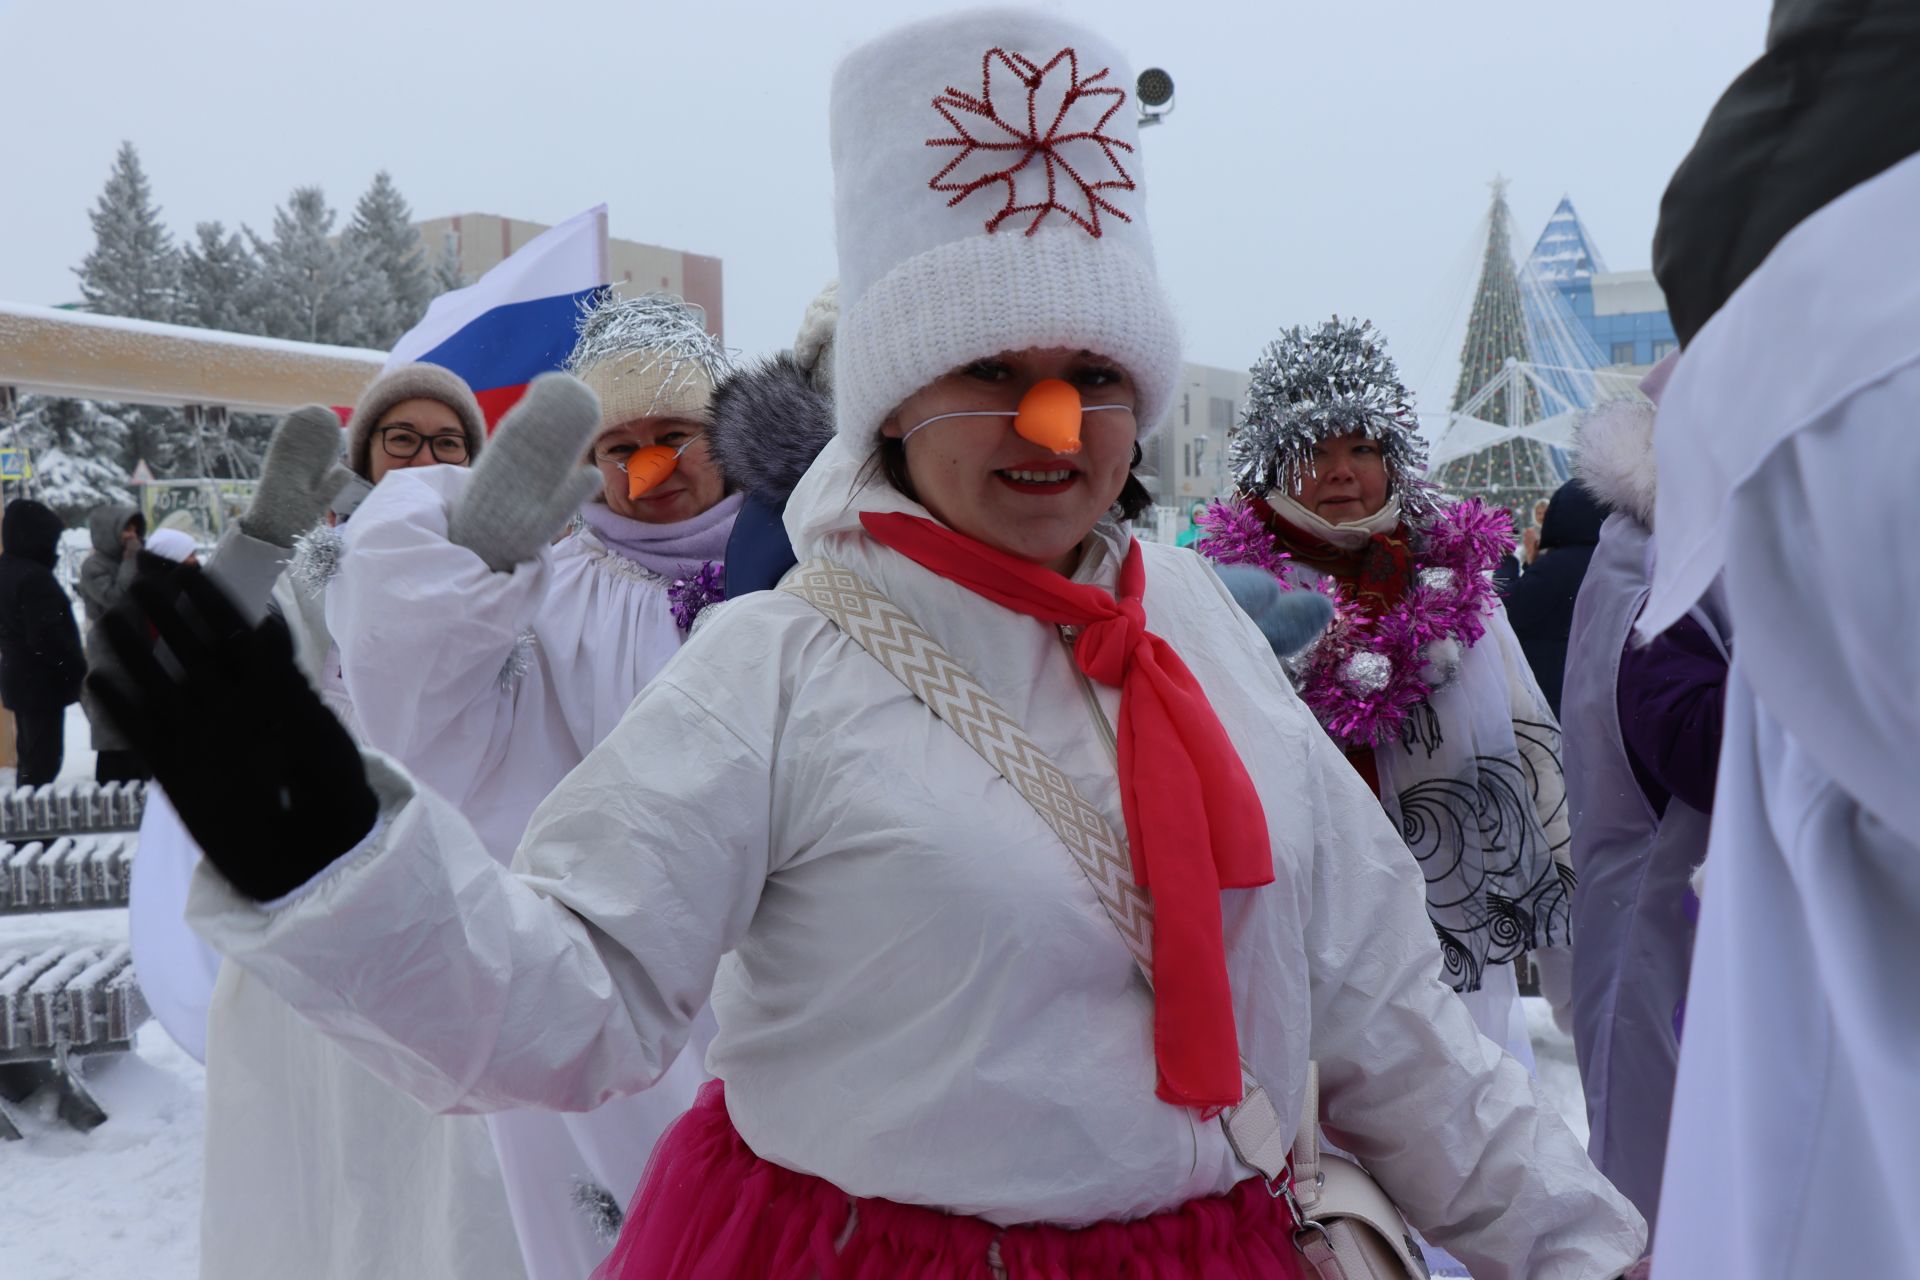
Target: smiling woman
(1421, 679)
(1025, 890)
(979, 474)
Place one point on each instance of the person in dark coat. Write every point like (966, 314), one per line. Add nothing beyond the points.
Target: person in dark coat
(1833, 102)
(1540, 604)
(119, 535)
(41, 663)
(770, 421)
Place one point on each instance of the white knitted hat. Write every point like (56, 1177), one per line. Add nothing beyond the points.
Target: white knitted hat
(647, 356)
(988, 197)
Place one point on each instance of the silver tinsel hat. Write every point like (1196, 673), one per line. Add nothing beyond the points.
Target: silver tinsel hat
(1311, 386)
(647, 356)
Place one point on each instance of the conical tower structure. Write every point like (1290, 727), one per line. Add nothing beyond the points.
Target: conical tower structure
(1513, 473)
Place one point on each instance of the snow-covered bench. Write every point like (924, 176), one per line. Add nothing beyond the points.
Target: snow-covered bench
(65, 873)
(57, 1004)
(71, 808)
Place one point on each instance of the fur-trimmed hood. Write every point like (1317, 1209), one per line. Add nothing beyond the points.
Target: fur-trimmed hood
(1613, 457)
(769, 423)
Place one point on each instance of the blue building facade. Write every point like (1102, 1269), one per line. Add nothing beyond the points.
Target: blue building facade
(1621, 312)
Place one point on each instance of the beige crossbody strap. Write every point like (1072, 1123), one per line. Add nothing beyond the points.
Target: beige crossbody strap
(898, 643)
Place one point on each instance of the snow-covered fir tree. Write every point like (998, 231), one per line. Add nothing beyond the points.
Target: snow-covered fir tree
(216, 280)
(311, 287)
(133, 268)
(447, 275)
(80, 454)
(383, 227)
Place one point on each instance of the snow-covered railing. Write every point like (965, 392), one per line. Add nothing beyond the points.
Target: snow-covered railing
(71, 808)
(46, 351)
(60, 1003)
(65, 873)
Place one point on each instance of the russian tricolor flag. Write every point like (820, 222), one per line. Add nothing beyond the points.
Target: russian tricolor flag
(517, 321)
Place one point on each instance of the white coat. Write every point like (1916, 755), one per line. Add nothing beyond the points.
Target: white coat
(918, 995)
(1788, 451)
(491, 687)
(315, 1167)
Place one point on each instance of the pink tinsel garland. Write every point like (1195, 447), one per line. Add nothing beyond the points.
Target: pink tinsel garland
(1364, 676)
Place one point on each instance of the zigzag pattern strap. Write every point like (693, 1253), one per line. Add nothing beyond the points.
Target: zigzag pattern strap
(916, 659)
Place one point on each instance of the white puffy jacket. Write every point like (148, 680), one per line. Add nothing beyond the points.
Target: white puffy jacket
(918, 994)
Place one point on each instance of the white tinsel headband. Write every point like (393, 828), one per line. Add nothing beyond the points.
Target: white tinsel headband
(669, 335)
(1308, 387)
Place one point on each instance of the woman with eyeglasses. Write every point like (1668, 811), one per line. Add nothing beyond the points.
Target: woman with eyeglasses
(491, 686)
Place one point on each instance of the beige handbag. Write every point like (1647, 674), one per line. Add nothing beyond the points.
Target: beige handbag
(1344, 1225)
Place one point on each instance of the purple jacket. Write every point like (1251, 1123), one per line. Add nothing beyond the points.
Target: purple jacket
(1641, 736)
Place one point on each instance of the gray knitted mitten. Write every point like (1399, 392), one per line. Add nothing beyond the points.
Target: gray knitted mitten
(530, 481)
(301, 474)
(1290, 620)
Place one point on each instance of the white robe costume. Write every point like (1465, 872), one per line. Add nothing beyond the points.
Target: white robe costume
(918, 994)
(314, 1166)
(1789, 444)
(492, 687)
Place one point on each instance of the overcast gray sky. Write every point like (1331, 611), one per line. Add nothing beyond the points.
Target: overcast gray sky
(1322, 156)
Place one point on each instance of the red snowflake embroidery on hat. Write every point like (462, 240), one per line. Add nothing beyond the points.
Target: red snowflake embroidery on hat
(1034, 122)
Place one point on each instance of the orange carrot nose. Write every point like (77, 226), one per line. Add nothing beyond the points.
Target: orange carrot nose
(649, 466)
(1050, 416)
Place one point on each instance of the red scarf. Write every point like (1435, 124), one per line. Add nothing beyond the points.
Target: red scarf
(1376, 575)
(1193, 819)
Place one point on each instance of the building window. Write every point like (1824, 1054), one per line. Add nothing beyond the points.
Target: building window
(1186, 459)
(1220, 413)
(1662, 348)
(1623, 353)
(1186, 409)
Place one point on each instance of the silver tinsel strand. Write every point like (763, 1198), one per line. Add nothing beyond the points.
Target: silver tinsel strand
(519, 661)
(1367, 672)
(316, 558)
(1312, 386)
(1437, 579)
(602, 1211)
(670, 331)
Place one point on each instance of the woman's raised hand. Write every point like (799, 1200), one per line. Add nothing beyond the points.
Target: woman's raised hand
(263, 775)
(532, 478)
(301, 474)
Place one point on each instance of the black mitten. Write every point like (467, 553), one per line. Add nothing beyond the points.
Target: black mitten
(267, 780)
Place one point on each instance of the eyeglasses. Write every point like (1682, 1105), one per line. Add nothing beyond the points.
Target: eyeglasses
(403, 443)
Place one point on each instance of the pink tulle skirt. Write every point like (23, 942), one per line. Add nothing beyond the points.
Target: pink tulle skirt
(709, 1209)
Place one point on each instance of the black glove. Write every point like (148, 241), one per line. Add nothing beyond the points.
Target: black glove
(263, 775)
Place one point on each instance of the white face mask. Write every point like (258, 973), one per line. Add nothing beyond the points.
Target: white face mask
(1350, 536)
(1049, 415)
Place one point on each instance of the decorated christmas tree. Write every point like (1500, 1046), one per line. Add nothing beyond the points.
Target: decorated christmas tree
(1512, 473)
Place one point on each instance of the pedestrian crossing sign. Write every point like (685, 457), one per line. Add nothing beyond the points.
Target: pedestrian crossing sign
(14, 465)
